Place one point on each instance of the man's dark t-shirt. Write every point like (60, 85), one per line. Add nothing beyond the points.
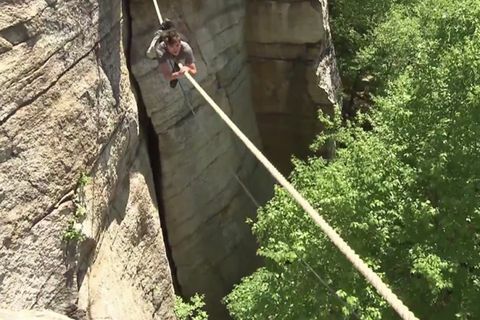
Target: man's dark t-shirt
(186, 53)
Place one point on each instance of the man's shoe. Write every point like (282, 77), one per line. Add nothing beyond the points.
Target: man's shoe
(173, 83)
(167, 24)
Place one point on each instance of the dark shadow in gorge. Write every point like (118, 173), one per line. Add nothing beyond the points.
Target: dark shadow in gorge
(147, 132)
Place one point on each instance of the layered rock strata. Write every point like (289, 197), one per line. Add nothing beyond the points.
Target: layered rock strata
(293, 73)
(205, 206)
(67, 108)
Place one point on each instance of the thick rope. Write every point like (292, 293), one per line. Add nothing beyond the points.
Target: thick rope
(257, 205)
(159, 15)
(349, 253)
(361, 266)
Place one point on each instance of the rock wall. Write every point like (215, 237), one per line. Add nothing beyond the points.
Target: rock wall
(205, 207)
(67, 107)
(31, 315)
(293, 73)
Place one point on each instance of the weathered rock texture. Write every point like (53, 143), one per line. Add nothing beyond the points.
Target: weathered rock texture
(67, 107)
(293, 73)
(205, 207)
(31, 315)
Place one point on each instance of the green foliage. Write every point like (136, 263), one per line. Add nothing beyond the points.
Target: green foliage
(352, 21)
(191, 310)
(83, 180)
(371, 202)
(73, 231)
(405, 195)
(80, 211)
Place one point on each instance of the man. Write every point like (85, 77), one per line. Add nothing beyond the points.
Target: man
(168, 47)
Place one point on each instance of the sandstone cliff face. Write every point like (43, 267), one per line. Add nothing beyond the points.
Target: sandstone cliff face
(31, 315)
(67, 107)
(293, 73)
(205, 207)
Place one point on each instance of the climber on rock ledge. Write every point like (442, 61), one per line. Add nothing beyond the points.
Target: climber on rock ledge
(167, 46)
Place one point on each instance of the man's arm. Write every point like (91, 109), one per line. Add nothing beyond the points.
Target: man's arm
(169, 75)
(166, 71)
(192, 68)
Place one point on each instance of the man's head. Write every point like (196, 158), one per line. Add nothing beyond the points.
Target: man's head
(172, 39)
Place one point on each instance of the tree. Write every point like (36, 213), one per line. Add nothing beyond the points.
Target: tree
(351, 25)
